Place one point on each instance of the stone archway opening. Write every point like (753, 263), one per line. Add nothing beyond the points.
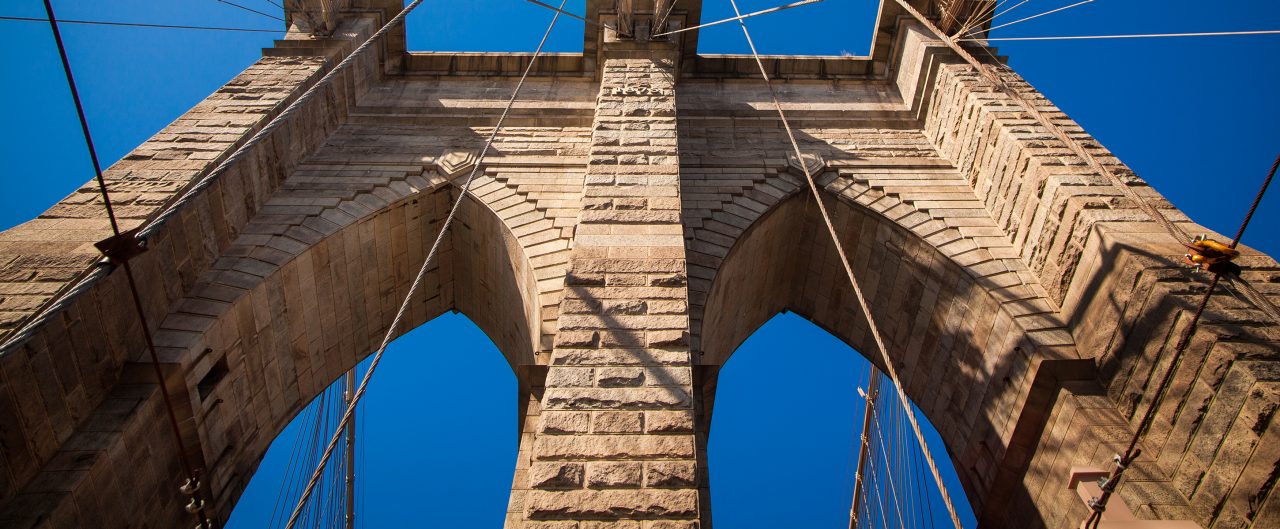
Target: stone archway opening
(786, 433)
(962, 359)
(458, 448)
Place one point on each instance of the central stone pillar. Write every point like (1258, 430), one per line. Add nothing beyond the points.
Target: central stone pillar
(614, 445)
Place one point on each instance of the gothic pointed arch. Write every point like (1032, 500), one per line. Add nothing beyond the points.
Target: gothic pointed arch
(953, 332)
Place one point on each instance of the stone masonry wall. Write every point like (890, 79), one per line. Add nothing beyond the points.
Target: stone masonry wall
(1115, 279)
(615, 439)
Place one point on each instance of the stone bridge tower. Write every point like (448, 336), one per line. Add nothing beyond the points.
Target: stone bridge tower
(638, 218)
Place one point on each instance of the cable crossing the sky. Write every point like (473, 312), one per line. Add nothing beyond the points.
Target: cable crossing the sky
(422, 271)
(853, 281)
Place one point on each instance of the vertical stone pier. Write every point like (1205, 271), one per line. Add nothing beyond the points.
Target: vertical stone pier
(614, 445)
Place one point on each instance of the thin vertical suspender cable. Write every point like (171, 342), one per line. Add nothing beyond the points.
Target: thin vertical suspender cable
(857, 289)
(422, 272)
(187, 467)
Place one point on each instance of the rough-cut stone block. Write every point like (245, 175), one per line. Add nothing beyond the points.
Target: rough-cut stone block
(616, 447)
(617, 422)
(635, 504)
(673, 474)
(613, 474)
(556, 475)
(668, 421)
(616, 398)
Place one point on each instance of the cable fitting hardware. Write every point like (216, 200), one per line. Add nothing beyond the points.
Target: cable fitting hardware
(1096, 505)
(190, 486)
(122, 247)
(195, 506)
(1211, 255)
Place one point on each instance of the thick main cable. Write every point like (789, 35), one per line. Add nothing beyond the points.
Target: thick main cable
(187, 467)
(857, 289)
(422, 273)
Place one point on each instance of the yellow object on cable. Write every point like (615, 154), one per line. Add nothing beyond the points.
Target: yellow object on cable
(1205, 252)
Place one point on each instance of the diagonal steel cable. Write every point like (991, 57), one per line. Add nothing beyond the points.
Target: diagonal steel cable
(853, 280)
(422, 273)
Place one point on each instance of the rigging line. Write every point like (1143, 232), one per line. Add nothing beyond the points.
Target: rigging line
(923, 500)
(844, 261)
(1050, 12)
(1178, 351)
(426, 263)
(272, 2)
(154, 223)
(986, 8)
(293, 456)
(873, 389)
(250, 9)
(1133, 36)
(1257, 199)
(190, 471)
(571, 15)
(1061, 134)
(87, 280)
(740, 17)
(1002, 13)
(662, 22)
(141, 25)
(879, 490)
(349, 477)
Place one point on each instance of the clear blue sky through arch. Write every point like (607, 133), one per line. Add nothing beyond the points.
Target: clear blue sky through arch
(1195, 117)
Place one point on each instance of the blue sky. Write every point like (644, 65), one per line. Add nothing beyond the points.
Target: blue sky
(1194, 117)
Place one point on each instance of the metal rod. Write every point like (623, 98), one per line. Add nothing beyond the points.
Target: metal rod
(348, 395)
(739, 17)
(873, 390)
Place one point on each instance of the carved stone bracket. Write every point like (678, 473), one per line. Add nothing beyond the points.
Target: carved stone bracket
(451, 164)
(814, 162)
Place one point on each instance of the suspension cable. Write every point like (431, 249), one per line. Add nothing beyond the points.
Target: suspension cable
(571, 15)
(249, 9)
(1258, 299)
(992, 18)
(63, 299)
(853, 281)
(740, 17)
(1131, 451)
(197, 503)
(141, 25)
(1046, 13)
(888, 464)
(1132, 36)
(422, 272)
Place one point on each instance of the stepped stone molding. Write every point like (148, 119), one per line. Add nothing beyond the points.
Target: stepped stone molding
(639, 215)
